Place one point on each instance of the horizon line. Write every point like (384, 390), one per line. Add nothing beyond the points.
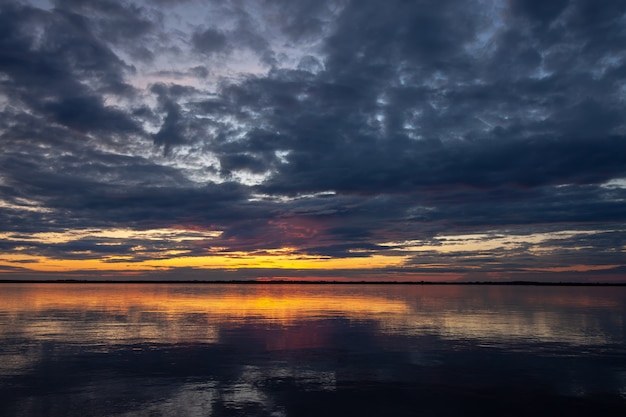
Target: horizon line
(318, 282)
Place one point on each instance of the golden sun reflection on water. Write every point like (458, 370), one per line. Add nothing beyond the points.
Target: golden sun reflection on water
(230, 300)
(176, 313)
(138, 313)
(241, 343)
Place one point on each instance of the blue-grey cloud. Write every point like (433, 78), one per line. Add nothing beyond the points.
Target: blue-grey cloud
(331, 127)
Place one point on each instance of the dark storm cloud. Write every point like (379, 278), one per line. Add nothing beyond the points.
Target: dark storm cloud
(56, 68)
(561, 128)
(89, 113)
(115, 21)
(99, 189)
(68, 47)
(170, 132)
(354, 126)
(543, 12)
(214, 42)
(351, 123)
(401, 165)
(177, 128)
(126, 26)
(209, 41)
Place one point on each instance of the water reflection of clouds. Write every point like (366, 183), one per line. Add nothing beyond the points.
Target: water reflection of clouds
(101, 328)
(117, 314)
(537, 327)
(190, 400)
(250, 350)
(107, 314)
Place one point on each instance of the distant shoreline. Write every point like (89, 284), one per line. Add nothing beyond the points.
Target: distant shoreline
(285, 282)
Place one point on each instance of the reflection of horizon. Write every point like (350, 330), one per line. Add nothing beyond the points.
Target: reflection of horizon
(164, 313)
(500, 315)
(108, 314)
(183, 348)
(538, 327)
(281, 306)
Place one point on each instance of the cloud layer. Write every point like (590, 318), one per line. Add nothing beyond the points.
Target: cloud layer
(478, 138)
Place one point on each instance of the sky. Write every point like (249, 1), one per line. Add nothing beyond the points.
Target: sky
(469, 140)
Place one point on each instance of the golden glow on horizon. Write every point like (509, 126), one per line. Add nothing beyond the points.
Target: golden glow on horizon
(186, 247)
(217, 258)
(232, 260)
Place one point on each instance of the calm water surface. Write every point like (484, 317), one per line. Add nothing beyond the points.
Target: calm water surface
(311, 350)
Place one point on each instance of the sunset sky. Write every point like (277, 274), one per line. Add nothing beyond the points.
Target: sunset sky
(366, 139)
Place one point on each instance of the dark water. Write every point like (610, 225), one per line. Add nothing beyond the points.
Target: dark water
(312, 350)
